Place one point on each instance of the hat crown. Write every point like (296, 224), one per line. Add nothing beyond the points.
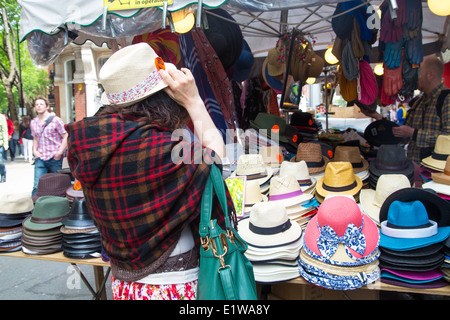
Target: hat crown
(249, 164)
(51, 207)
(79, 210)
(271, 154)
(338, 174)
(310, 152)
(390, 154)
(16, 203)
(388, 184)
(442, 145)
(268, 214)
(407, 214)
(267, 121)
(338, 212)
(347, 153)
(283, 185)
(253, 192)
(299, 169)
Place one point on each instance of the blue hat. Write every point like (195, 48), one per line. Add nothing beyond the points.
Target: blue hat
(408, 227)
(244, 64)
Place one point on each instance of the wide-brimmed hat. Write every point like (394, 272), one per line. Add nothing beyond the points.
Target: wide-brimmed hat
(274, 65)
(299, 169)
(270, 125)
(268, 226)
(272, 155)
(253, 167)
(303, 120)
(286, 191)
(351, 154)
(379, 132)
(14, 208)
(141, 61)
(339, 217)
(372, 200)
(275, 84)
(48, 213)
(391, 159)
(253, 195)
(409, 227)
(443, 177)
(437, 208)
(52, 184)
(244, 64)
(311, 153)
(440, 154)
(339, 179)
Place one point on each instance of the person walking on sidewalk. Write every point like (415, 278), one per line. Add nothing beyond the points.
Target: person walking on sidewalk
(49, 141)
(4, 143)
(26, 138)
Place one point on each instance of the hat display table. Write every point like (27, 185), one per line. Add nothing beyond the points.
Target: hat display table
(97, 263)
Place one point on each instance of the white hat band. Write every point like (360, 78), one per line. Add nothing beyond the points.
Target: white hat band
(410, 233)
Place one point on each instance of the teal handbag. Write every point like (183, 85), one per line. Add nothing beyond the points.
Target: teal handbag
(225, 273)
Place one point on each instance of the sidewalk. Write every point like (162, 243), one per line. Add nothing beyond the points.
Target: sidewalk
(28, 279)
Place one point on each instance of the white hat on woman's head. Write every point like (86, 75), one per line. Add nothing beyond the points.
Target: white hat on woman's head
(131, 75)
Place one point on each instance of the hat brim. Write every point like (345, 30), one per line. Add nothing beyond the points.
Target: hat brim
(438, 165)
(367, 199)
(351, 192)
(408, 171)
(275, 240)
(402, 244)
(39, 226)
(441, 178)
(275, 84)
(438, 187)
(380, 132)
(260, 181)
(256, 126)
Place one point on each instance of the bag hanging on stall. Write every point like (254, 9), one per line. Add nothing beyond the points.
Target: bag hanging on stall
(225, 273)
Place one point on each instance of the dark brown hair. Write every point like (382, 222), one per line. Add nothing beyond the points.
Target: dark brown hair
(159, 108)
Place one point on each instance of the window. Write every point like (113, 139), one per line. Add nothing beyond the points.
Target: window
(69, 71)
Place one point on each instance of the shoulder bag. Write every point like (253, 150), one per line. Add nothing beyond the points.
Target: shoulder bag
(225, 273)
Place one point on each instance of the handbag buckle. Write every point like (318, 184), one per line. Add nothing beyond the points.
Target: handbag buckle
(204, 241)
(230, 235)
(224, 243)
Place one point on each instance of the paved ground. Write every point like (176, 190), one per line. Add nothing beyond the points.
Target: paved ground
(28, 279)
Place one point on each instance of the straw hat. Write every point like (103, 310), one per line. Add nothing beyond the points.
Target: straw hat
(139, 61)
(268, 226)
(441, 151)
(300, 171)
(443, 177)
(352, 155)
(340, 217)
(372, 200)
(286, 191)
(272, 155)
(253, 167)
(275, 84)
(252, 195)
(311, 153)
(274, 67)
(339, 179)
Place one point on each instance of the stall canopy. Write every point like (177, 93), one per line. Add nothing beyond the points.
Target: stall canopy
(50, 25)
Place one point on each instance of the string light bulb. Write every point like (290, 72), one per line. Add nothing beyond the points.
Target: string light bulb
(329, 56)
(310, 80)
(378, 70)
(183, 20)
(439, 7)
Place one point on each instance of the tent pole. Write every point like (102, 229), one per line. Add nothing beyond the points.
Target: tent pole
(288, 64)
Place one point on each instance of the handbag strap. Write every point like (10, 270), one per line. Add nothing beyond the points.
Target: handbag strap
(228, 286)
(214, 182)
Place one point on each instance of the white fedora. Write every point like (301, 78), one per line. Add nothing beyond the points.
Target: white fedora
(301, 172)
(268, 226)
(372, 200)
(253, 167)
(138, 60)
(287, 191)
(272, 155)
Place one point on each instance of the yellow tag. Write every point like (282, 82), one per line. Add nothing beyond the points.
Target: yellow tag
(114, 5)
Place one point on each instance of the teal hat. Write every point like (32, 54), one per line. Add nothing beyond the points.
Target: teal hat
(48, 213)
(272, 124)
(408, 227)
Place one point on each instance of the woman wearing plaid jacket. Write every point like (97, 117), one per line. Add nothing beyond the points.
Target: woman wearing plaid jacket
(142, 182)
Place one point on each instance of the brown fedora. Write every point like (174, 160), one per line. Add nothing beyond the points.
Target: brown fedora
(311, 153)
(442, 177)
(353, 155)
(52, 184)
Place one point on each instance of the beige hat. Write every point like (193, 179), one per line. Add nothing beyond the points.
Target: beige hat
(372, 200)
(274, 67)
(272, 155)
(339, 178)
(16, 203)
(253, 167)
(353, 155)
(286, 190)
(139, 61)
(300, 171)
(441, 151)
(442, 177)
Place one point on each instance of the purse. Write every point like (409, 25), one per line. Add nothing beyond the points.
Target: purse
(225, 273)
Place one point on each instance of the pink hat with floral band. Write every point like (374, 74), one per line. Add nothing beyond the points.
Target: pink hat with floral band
(143, 63)
(340, 234)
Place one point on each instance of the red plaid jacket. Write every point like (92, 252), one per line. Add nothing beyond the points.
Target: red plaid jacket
(139, 198)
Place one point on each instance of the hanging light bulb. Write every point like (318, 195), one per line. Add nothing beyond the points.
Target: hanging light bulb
(378, 70)
(329, 56)
(310, 80)
(183, 20)
(439, 7)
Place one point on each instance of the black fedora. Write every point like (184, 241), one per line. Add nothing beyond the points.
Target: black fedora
(391, 158)
(79, 216)
(380, 132)
(438, 209)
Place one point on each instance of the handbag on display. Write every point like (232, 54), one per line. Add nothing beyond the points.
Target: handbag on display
(225, 273)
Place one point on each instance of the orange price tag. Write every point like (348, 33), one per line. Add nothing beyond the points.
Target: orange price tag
(279, 158)
(275, 129)
(310, 122)
(77, 185)
(294, 138)
(159, 63)
(330, 154)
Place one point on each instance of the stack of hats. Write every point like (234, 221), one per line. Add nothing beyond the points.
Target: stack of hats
(14, 208)
(273, 240)
(353, 155)
(440, 181)
(300, 170)
(311, 153)
(339, 179)
(252, 166)
(439, 156)
(372, 200)
(445, 266)
(80, 237)
(74, 191)
(52, 184)
(305, 124)
(340, 246)
(272, 156)
(41, 231)
(390, 159)
(252, 195)
(415, 223)
(286, 191)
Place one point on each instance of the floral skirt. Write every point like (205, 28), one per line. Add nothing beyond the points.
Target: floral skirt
(123, 290)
